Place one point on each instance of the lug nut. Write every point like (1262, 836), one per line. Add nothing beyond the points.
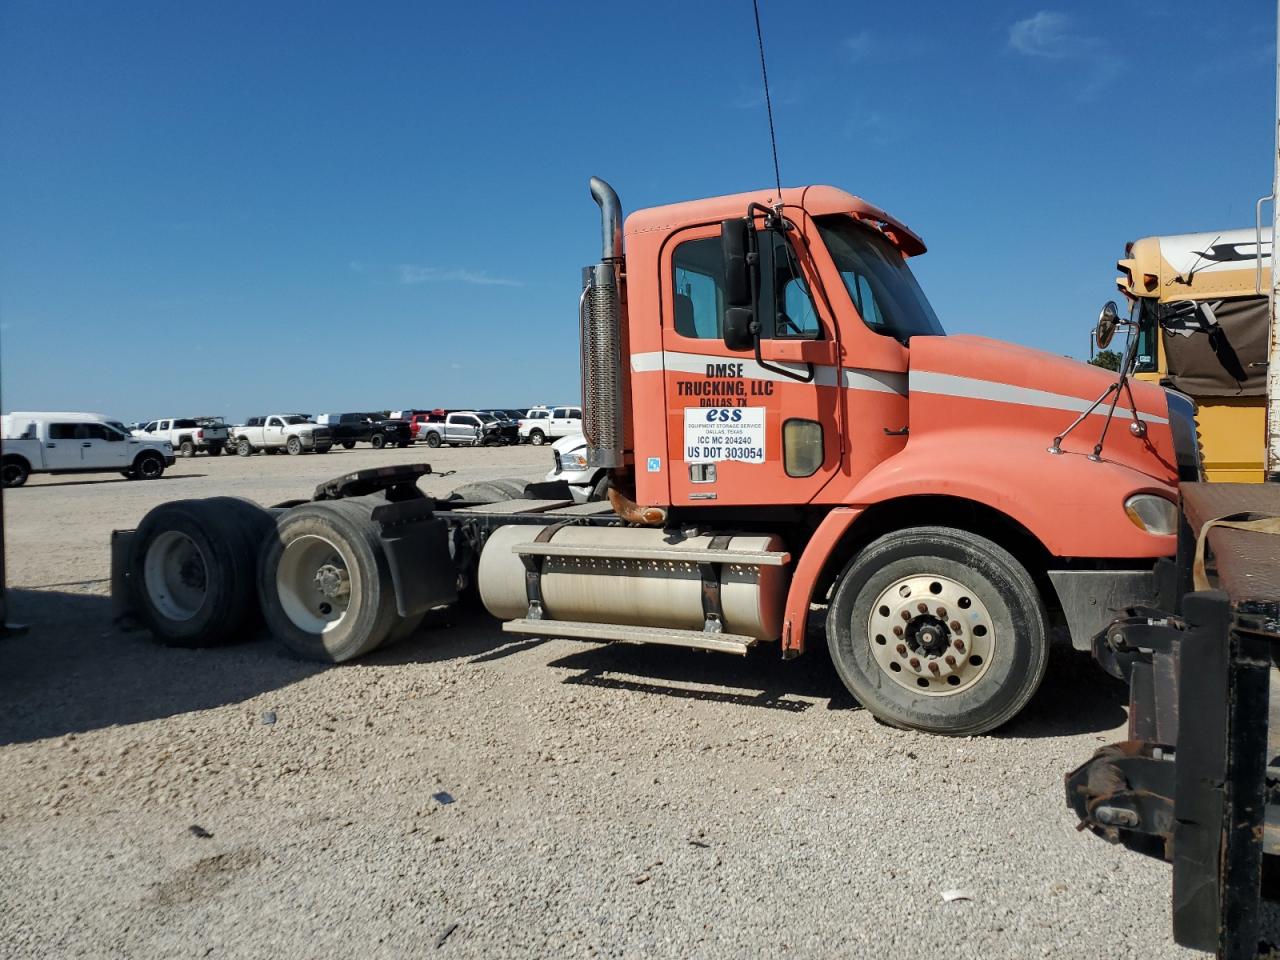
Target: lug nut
(902, 649)
(941, 612)
(933, 668)
(922, 607)
(906, 614)
(955, 626)
(915, 663)
(950, 660)
(959, 644)
(897, 631)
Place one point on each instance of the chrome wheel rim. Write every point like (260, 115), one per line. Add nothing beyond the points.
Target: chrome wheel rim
(316, 583)
(931, 635)
(175, 575)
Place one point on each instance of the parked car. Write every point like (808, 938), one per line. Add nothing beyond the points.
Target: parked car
(76, 443)
(290, 432)
(349, 429)
(570, 455)
(550, 423)
(467, 428)
(189, 435)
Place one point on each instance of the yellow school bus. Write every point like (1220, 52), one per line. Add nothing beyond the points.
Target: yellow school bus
(1201, 315)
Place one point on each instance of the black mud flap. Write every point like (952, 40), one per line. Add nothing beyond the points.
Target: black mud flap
(416, 543)
(400, 482)
(123, 609)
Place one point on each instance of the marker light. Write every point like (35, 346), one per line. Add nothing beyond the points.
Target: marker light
(1152, 514)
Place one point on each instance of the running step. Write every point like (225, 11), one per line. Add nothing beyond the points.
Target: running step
(749, 558)
(577, 630)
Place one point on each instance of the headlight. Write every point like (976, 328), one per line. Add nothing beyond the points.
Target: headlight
(1151, 513)
(573, 461)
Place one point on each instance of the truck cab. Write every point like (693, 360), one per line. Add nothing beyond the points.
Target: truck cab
(1200, 312)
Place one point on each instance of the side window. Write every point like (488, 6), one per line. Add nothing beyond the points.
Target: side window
(98, 431)
(575, 413)
(698, 266)
(274, 422)
(699, 290)
(560, 413)
(62, 431)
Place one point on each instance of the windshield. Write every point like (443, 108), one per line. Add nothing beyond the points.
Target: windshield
(488, 418)
(880, 283)
(295, 419)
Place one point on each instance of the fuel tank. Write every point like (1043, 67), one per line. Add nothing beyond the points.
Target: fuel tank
(620, 582)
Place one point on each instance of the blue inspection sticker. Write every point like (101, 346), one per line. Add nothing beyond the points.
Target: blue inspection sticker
(655, 464)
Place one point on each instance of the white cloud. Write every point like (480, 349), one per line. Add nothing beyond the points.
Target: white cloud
(412, 274)
(859, 45)
(1051, 35)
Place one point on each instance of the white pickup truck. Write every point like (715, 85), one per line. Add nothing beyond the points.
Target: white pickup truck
(188, 435)
(550, 423)
(290, 432)
(76, 443)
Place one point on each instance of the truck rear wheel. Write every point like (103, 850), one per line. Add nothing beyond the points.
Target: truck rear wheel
(191, 569)
(324, 582)
(14, 471)
(537, 437)
(348, 444)
(938, 629)
(186, 449)
(433, 440)
(294, 446)
(377, 441)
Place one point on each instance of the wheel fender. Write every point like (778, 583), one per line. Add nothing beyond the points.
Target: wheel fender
(1072, 505)
(17, 458)
(805, 576)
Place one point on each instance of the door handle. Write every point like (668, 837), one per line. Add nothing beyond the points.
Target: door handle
(901, 432)
(51, 446)
(87, 443)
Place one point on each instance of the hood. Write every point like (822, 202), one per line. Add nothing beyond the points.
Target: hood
(975, 382)
(570, 444)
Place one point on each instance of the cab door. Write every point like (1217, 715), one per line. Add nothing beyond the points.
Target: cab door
(105, 447)
(273, 432)
(62, 446)
(742, 432)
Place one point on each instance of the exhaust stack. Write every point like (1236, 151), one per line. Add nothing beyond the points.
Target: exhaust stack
(600, 317)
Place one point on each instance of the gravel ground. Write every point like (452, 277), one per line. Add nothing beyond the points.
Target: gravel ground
(605, 800)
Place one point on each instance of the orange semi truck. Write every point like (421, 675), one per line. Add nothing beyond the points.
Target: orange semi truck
(785, 424)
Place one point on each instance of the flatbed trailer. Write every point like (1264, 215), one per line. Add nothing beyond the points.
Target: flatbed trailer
(1197, 782)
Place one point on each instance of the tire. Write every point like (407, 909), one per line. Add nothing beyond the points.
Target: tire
(323, 449)
(987, 634)
(404, 444)
(404, 628)
(433, 440)
(334, 538)
(294, 446)
(14, 472)
(378, 441)
(599, 490)
(215, 449)
(192, 570)
(186, 449)
(537, 437)
(148, 466)
(489, 491)
(348, 444)
(243, 448)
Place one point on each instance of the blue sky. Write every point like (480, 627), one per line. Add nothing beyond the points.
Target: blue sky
(241, 207)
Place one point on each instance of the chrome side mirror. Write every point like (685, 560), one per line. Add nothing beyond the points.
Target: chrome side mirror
(1108, 321)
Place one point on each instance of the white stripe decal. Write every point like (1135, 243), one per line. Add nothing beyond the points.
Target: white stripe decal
(950, 385)
(880, 381)
(854, 378)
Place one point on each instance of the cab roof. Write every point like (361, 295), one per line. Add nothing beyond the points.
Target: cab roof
(815, 200)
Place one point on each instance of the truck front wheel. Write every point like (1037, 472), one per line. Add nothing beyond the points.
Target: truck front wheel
(294, 446)
(244, 448)
(149, 466)
(938, 629)
(348, 444)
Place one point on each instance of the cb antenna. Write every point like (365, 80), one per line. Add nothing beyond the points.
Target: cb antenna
(768, 103)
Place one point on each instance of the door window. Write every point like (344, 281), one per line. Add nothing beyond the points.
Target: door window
(62, 431)
(150, 427)
(698, 266)
(560, 413)
(275, 422)
(575, 413)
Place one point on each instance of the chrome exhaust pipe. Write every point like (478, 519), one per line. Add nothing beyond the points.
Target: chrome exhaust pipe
(600, 319)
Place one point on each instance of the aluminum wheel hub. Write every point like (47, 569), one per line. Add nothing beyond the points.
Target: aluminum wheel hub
(314, 583)
(931, 634)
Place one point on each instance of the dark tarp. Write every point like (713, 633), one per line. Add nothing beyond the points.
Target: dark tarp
(1230, 360)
